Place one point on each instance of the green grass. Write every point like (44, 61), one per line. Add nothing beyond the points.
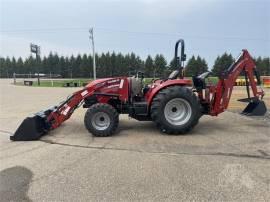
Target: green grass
(80, 82)
(212, 79)
(58, 83)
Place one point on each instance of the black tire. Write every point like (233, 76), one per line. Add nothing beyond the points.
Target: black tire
(168, 94)
(95, 112)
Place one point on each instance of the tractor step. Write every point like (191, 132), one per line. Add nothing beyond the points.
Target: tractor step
(139, 111)
(140, 108)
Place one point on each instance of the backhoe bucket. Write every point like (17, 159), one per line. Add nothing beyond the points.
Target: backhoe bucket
(256, 108)
(32, 128)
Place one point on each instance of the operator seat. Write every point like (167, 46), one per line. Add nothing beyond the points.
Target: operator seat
(199, 81)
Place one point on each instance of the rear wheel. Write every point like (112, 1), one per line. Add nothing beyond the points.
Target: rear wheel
(101, 120)
(175, 110)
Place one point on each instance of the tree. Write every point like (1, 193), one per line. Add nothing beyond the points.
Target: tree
(222, 63)
(134, 63)
(29, 65)
(263, 65)
(172, 65)
(19, 66)
(114, 64)
(120, 65)
(2, 67)
(85, 68)
(195, 66)
(149, 66)
(160, 64)
(101, 65)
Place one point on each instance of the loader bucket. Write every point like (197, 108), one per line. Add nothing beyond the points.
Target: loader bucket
(32, 128)
(256, 108)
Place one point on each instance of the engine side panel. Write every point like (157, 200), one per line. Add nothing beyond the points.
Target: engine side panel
(107, 90)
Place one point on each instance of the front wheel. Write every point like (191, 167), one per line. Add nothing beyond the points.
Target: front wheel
(175, 110)
(101, 120)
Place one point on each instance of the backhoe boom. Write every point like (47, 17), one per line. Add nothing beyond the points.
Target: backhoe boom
(223, 90)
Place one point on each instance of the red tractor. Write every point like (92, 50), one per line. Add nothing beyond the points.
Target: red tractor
(175, 104)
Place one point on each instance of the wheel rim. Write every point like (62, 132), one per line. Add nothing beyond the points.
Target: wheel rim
(177, 111)
(100, 121)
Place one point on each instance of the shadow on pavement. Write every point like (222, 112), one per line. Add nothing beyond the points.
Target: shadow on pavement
(14, 183)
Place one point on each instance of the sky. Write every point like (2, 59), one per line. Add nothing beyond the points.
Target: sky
(209, 27)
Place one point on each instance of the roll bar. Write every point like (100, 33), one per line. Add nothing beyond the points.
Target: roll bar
(179, 60)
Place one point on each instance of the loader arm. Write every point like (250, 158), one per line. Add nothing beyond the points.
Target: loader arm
(223, 90)
(63, 112)
(33, 127)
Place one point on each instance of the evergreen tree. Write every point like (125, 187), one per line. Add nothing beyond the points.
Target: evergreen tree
(101, 66)
(120, 65)
(172, 65)
(19, 66)
(263, 65)
(222, 63)
(72, 66)
(84, 67)
(195, 66)
(62, 65)
(2, 67)
(114, 64)
(29, 65)
(160, 64)
(149, 66)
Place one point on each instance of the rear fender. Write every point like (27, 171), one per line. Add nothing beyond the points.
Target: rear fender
(156, 87)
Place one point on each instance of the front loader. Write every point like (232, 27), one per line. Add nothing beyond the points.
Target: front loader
(175, 103)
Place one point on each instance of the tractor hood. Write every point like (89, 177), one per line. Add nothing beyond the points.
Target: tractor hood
(103, 80)
(97, 81)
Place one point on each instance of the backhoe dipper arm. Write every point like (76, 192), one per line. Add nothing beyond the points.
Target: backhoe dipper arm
(223, 90)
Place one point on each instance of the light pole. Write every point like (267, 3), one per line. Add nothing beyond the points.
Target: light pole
(36, 49)
(91, 37)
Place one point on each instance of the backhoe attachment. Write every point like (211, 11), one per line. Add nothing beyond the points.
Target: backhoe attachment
(218, 96)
